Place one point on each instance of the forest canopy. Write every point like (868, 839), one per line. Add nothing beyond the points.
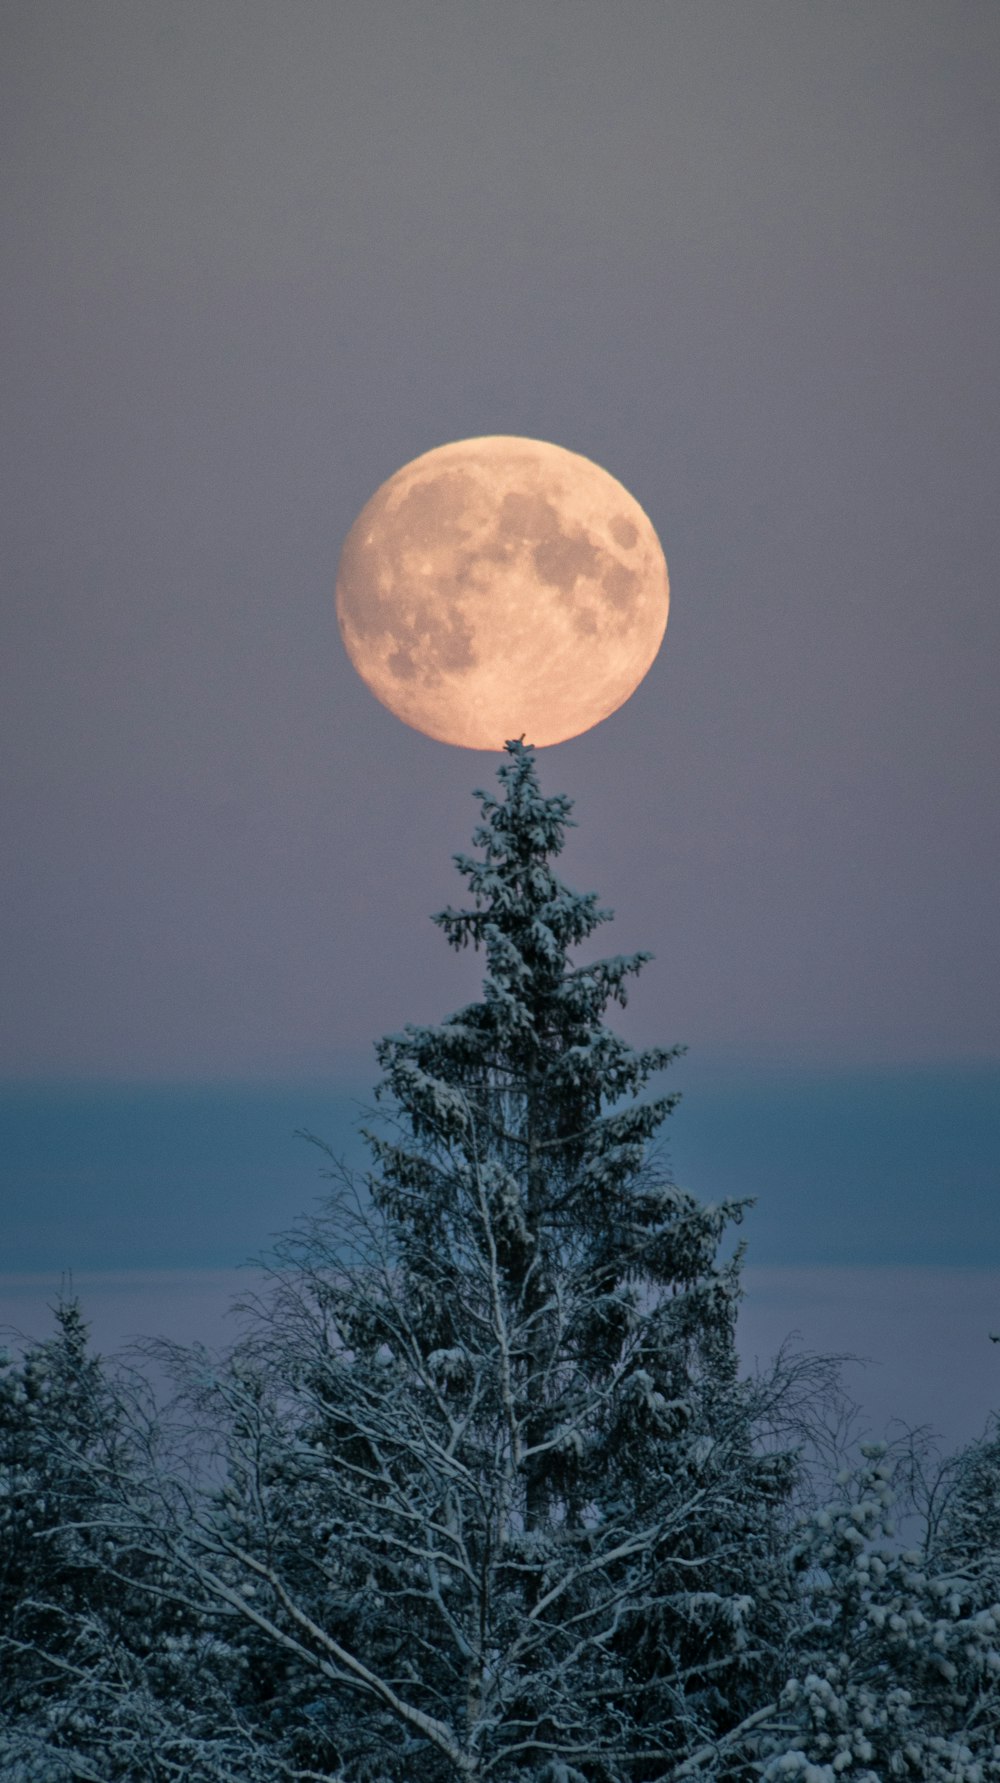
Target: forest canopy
(481, 1492)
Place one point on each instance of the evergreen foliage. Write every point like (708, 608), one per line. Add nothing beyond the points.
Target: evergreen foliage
(516, 1418)
(895, 1656)
(108, 1670)
(45, 1565)
(481, 1494)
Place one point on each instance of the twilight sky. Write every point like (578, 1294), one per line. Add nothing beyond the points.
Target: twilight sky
(746, 257)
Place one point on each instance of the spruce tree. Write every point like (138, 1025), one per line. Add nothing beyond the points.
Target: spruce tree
(491, 1476)
(110, 1671)
(894, 1650)
(632, 1505)
(52, 1407)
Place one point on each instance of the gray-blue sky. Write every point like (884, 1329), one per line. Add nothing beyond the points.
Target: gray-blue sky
(257, 257)
(848, 1169)
(875, 1230)
(919, 1334)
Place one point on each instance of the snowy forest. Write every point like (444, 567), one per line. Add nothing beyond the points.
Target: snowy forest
(481, 1492)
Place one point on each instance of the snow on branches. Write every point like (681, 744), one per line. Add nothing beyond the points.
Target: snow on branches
(480, 1494)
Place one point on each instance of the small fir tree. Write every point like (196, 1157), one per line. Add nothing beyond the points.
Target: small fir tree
(52, 1407)
(894, 1650)
(110, 1671)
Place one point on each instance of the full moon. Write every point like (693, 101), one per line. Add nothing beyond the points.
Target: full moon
(502, 587)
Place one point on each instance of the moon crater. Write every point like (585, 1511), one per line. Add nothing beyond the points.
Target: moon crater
(501, 587)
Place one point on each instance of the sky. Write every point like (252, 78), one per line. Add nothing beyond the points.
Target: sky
(744, 257)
